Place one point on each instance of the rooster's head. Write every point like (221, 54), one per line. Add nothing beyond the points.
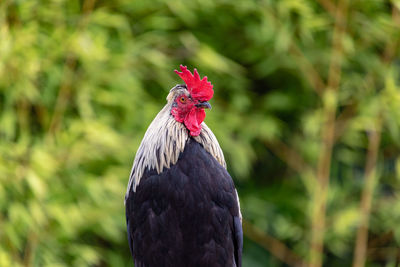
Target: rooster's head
(190, 100)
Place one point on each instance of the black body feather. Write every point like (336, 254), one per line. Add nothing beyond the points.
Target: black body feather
(188, 215)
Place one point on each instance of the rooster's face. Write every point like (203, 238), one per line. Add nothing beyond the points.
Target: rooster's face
(188, 110)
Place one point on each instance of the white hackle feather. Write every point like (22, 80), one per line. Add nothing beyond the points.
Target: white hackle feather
(165, 139)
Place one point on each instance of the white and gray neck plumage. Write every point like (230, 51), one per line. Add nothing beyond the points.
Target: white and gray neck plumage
(165, 139)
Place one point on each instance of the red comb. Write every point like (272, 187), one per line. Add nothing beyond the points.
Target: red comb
(199, 89)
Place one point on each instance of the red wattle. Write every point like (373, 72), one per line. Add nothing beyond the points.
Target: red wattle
(194, 119)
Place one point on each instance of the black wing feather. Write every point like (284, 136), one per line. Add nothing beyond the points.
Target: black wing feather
(188, 215)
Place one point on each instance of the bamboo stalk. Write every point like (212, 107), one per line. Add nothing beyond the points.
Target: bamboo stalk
(308, 70)
(65, 90)
(289, 155)
(328, 138)
(361, 245)
(328, 6)
(277, 248)
(360, 249)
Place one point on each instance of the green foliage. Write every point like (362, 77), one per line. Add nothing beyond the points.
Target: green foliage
(80, 81)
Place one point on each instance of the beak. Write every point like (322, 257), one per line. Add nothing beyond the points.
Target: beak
(204, 104)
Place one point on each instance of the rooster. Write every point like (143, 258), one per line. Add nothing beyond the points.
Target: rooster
(182, 208)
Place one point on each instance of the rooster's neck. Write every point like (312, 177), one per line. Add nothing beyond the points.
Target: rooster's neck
(162, 143)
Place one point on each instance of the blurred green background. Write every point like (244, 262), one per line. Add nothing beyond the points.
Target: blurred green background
(306, 109)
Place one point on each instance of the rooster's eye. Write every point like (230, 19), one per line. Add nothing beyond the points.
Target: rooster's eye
(182, 99)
